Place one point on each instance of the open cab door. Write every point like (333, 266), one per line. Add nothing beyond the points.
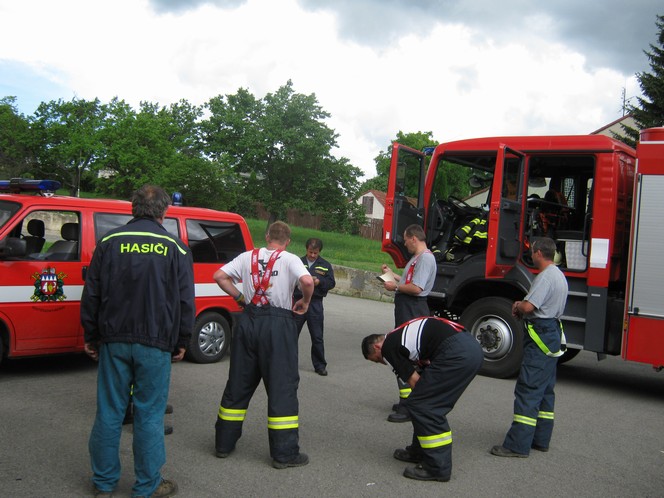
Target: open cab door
(405, 200)
(506, 212)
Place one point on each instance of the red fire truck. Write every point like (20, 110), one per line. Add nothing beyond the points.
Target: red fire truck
(596, 197)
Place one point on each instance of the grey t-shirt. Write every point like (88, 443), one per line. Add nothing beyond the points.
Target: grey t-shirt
(424, 273)
(548, 293)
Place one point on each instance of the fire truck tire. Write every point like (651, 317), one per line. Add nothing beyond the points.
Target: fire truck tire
(568, 355)
(210, 339)
(490, 321)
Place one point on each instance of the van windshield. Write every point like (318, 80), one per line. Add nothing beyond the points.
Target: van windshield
(7, 211)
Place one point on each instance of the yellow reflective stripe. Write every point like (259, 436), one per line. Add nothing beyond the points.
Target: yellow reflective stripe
(231, 414)
(283, 422)
(546, 415)
(540, 344)
(521, 419)
(404, 393)
(436, 440)
(146, 234)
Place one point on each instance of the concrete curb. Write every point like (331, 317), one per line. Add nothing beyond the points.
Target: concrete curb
(359, 283)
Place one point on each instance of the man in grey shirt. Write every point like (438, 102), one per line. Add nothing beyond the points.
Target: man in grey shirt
(541, 309)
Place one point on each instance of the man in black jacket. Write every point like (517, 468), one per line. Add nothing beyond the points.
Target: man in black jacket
(438, 359)
(323, 275)
(137, 312)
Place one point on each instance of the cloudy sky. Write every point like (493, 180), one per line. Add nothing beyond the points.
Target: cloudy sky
(457, 68)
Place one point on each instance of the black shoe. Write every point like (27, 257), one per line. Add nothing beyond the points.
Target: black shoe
(395, 407)
(398, 417)
(537, 447)
(401, 414)
(407, 455)
(321, 371)
(169, 409)
(297, 461)
(422, 474)
(501, 451)
(168, 429)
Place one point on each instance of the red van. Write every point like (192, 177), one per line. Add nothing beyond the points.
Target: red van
(47, 241)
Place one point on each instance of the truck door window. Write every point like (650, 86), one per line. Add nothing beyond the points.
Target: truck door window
(214, 241)
(460, 193)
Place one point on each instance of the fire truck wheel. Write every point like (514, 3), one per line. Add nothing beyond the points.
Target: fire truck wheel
(490, 321)
(210, 339)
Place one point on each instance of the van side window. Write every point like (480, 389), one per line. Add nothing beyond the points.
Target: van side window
(51, 235)
(105, 222)
(214, 241)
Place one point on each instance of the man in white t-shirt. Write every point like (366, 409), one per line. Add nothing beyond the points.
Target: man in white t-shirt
(264, 345)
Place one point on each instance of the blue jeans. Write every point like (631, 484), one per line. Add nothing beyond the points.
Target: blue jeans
(149, 370)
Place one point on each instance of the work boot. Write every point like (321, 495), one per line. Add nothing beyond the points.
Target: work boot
(165, 489)
(169, 409)
(501, 451)
(168, 429)
(537, 447)
(421, 474)
(297, 461)
(408, 455)
(101, 494)
(401, 414)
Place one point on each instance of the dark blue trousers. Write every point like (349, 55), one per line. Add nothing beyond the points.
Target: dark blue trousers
(264, 348)
(441, 384)
(314, 319)
(534, 396)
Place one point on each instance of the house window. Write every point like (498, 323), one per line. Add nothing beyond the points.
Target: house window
(367, 204)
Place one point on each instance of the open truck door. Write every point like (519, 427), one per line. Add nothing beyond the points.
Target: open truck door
(404, 204)
(505, 214)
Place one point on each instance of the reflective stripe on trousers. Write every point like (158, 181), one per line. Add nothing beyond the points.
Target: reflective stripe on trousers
(540, 343)
(436, 440)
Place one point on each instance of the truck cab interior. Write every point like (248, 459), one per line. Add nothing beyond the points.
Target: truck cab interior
(555, 195)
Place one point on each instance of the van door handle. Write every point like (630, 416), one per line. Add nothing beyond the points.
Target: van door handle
(84, 272)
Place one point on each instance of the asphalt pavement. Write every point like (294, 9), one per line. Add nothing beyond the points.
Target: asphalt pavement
(608, 440)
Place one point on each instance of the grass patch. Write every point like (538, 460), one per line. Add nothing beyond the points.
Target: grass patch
(340, 249)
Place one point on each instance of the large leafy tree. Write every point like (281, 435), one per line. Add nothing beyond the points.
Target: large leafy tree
(67, 139)
(279, 151)
(649, 109)
(415, 140)
(158, 145)
(16, 152)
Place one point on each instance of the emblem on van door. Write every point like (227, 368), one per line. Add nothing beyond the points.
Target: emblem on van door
(49, 286)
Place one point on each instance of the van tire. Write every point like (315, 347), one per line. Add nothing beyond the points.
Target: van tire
(490, 321)
(210, 339)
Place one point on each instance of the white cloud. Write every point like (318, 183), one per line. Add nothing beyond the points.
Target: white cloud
(450, 79)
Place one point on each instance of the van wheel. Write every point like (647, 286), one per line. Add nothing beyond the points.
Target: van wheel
(490, 321)
(210, 339)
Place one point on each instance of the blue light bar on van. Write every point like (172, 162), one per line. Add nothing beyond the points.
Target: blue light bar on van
(17, 185)
(428, 151)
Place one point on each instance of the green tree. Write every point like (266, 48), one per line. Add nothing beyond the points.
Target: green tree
(415, 140)
(649, 110)
(67, 138)
(278, 149)
(16, 152)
